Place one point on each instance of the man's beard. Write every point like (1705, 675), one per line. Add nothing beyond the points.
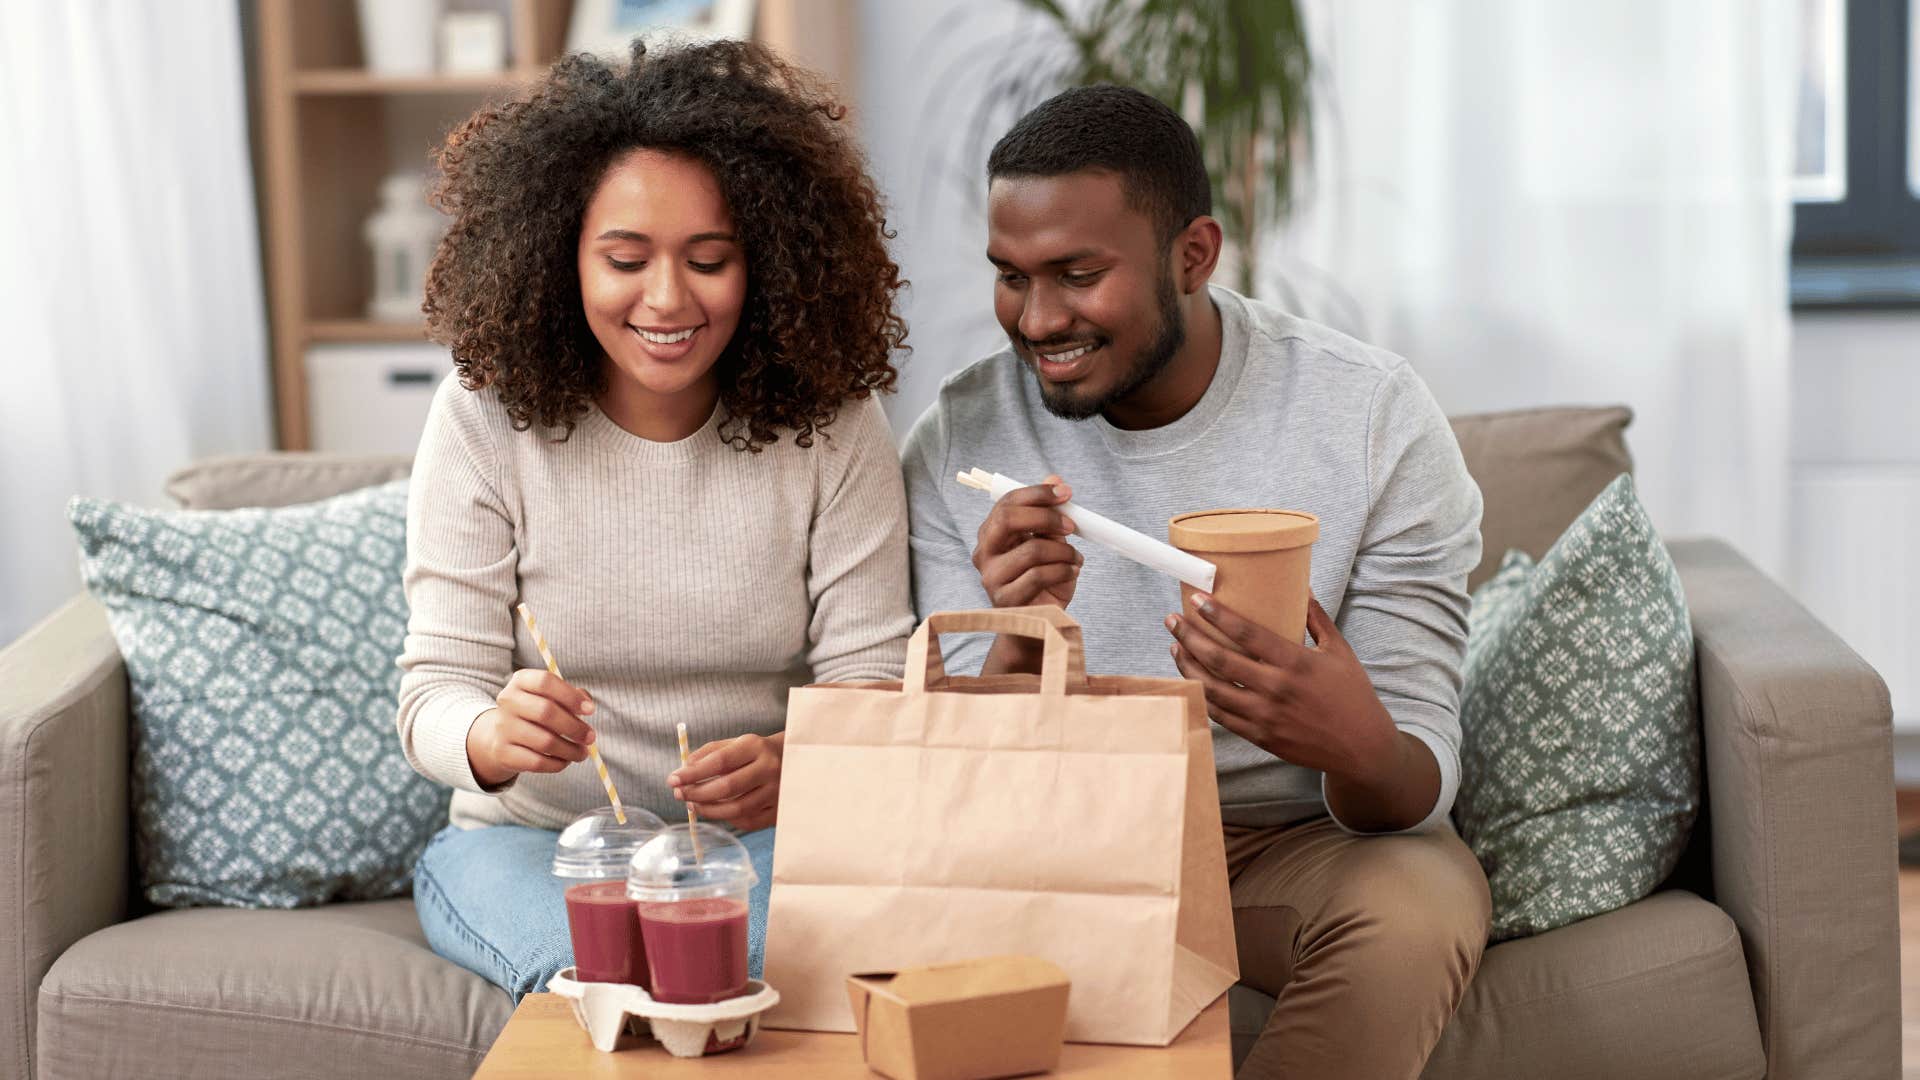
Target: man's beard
(1064, 403)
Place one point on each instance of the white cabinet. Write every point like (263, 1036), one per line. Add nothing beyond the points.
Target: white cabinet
(372, 398)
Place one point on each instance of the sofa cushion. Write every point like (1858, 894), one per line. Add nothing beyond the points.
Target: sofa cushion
(260, 648)
(1656, 990)
(328, 992)
(1580, 748)
(1537, 469)
(279, 479)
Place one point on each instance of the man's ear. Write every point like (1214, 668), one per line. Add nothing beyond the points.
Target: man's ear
(1196, 251)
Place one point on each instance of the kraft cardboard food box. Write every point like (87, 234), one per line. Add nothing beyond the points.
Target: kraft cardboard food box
(972, 1020)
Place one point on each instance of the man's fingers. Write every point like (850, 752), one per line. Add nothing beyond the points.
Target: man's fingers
(1008, 525)
(1218, 659)
(1252, 638)
(1026, 588)
(1320, 624)
(1221, 692)
(1242, 727)
(1005, 568)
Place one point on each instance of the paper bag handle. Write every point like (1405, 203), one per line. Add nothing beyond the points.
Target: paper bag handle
(1062, 656)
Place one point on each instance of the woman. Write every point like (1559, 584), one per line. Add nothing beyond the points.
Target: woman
(669, 300)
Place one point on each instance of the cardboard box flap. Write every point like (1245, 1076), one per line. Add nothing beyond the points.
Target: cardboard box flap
(964, 980)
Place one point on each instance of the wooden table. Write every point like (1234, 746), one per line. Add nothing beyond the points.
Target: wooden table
(543, 1040)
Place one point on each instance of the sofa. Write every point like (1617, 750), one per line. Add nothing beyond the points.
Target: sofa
(1771, 951)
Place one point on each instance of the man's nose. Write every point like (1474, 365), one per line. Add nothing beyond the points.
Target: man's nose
(1043, 316)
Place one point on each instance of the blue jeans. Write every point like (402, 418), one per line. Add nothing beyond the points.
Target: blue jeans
(489, 902)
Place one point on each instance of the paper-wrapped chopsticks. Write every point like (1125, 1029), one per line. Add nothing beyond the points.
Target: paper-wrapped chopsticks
(1139, 547)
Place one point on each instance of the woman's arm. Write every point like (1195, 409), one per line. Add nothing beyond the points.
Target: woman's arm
(461, 582)
(857, 555)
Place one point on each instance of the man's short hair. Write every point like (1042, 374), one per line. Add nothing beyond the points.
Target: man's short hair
(1120, 130)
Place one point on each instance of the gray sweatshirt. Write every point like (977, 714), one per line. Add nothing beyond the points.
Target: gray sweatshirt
(1298, 417)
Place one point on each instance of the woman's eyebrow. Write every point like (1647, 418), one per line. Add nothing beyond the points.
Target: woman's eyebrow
(629, 234)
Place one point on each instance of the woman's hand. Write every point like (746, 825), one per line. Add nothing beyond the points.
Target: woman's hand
(537, 727)
(733, 780)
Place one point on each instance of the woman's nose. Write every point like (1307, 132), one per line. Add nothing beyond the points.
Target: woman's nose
(663, 290)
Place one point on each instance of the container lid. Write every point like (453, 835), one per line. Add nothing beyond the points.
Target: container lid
(596, 846)
(666, 868)
(1243, 530)
(966, 979)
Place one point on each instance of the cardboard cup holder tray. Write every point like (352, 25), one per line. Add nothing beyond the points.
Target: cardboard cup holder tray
(607, 1009)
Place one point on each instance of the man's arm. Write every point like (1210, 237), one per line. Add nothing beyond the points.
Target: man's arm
(943, 575)
(1405, 608)
(1018, 556)
(1374, 704)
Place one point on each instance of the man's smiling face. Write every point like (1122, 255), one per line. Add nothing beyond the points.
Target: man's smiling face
(1085, 287)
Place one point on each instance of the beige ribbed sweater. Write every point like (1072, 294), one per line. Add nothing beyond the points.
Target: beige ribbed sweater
(682, 581)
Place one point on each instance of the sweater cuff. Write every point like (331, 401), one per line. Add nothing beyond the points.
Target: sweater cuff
(440, 741)
(1442, 804)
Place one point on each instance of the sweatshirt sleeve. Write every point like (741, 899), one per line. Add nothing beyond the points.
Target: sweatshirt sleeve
(461, 581)
(1405, 608)
(857, 554)
(944, 577)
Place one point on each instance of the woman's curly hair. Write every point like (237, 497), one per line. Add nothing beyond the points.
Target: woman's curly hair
(818, 326)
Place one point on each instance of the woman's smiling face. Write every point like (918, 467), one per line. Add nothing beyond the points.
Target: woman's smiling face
(662, 276)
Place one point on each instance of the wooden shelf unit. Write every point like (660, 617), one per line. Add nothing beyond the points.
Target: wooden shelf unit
(353, 81)
(326, 132)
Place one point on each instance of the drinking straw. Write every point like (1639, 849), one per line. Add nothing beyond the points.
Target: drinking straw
(691, 831)
(593, 748)
(1137, 546)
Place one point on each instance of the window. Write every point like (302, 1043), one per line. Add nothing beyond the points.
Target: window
(1820, 138)
(1857, 154)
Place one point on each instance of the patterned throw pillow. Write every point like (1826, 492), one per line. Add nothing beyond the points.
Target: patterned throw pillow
(260, 645)
(1580, 763)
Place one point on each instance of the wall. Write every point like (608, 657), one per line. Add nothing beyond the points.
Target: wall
(917, 63)
(1855, 502)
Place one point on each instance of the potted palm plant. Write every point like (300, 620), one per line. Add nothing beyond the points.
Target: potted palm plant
(1238, 70)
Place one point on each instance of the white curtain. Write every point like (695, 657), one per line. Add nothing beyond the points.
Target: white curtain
(1555, 203)
(132, 333)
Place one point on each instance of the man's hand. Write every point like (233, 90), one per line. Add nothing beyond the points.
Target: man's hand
(733, 780)
(1312, 706)
(1024, 558)
(536, 727)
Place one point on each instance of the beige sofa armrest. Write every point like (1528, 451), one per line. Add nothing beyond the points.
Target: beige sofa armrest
(64, 828)
(1799, 775)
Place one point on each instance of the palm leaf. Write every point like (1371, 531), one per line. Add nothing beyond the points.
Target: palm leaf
(1238, 70)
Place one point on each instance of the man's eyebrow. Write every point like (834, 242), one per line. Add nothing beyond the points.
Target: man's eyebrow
(1070, 257)
(629, 234)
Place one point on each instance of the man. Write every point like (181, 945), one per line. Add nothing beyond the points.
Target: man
(1138, 388)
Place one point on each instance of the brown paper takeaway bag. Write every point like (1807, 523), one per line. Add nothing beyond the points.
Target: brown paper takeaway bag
(1059, 815)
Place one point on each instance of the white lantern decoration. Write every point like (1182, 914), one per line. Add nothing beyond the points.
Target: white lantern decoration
(403, 234)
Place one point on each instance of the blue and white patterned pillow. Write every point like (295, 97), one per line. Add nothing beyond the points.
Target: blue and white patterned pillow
(1580, 761)
(260, 645)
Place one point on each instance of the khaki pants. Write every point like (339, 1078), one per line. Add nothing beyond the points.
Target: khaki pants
(1368, 942)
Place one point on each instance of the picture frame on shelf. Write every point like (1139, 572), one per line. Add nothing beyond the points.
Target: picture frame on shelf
(608, 27)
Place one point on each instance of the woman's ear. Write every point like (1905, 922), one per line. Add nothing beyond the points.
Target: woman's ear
(1196, 252)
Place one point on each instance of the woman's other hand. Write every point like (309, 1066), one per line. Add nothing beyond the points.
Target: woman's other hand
(733, 780)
